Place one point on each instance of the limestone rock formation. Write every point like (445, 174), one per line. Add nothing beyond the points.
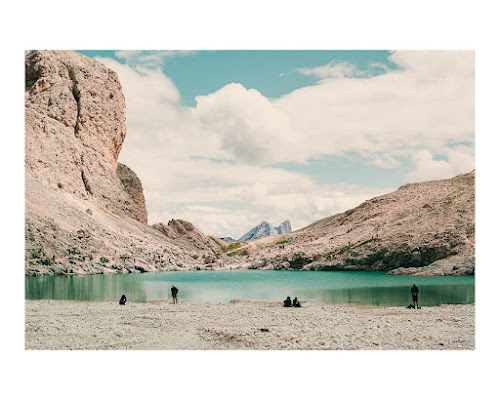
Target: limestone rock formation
(75, 126)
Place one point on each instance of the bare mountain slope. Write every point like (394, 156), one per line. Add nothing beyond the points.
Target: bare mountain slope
(421, 228)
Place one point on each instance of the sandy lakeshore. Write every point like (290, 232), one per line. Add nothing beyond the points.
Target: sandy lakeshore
(158, 325)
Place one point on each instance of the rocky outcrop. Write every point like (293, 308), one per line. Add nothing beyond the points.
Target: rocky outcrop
(191, 239)
(75, 127)
(423, 228)
(136, 207)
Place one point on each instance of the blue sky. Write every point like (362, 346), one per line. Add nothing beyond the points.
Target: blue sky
(272, 73)
(226, 139)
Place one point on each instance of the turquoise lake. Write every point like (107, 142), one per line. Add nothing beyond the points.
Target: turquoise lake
(362, 288)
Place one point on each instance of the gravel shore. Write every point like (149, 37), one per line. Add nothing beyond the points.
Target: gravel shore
(262, 325)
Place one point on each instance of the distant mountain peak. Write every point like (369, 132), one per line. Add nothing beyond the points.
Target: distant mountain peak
(264, 229)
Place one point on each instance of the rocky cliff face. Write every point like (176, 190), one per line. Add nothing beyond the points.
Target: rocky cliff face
(423, 228)
(75, 127)
(85, 212)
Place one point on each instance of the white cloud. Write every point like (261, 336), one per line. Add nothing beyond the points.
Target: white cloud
(150, 59)
(334, 69)
(250, 128)
(254, 193)
(412, 114)
(460, 160)
(426, 105)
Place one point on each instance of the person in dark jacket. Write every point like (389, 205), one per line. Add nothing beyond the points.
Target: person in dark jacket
(174, 291)
(287, 302)
(296, 303)
(414, 296)
(123, 300)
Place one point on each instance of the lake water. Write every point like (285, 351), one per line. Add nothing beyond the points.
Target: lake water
(365, 288)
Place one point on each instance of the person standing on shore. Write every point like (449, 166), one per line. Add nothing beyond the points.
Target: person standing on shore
(414, 295)
(174, 291)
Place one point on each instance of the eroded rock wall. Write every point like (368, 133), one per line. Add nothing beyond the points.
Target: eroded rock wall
(75, 126)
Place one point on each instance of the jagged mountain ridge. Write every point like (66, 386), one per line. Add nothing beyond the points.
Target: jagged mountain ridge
(264, 229)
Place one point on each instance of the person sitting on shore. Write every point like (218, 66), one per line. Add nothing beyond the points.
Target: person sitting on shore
(296, 303)
(287, 302)
(123, 300)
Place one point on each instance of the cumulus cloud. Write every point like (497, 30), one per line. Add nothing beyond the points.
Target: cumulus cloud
(426, 103)
(459, 160)
(212, 164)
(157, 124)
(250, 128)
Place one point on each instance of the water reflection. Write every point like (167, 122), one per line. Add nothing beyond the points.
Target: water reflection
(368, 288)
(394, 296)
(84, 288)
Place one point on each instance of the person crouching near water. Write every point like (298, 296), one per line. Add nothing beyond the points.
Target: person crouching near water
(287, 302)
(174, 291)
(296, 303)
(123, 300)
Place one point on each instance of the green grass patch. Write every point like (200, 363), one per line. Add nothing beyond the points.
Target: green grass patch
(234, 253)
(225, 249)
(366, 242)
(348, 247)
(232, 246)
(344, 249)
